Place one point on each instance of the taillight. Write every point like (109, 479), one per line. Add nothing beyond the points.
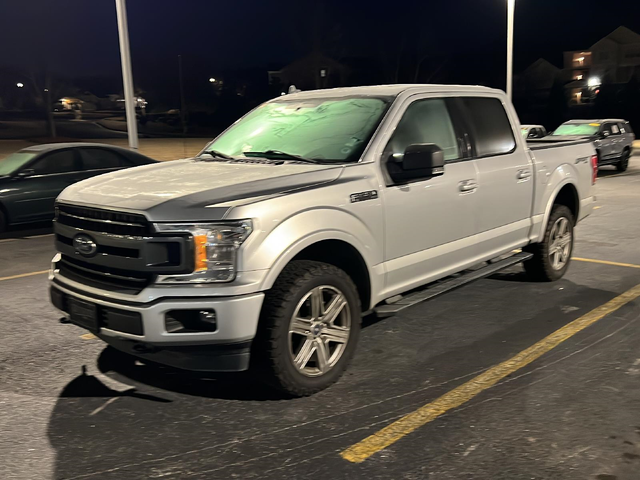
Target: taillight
(594, 168)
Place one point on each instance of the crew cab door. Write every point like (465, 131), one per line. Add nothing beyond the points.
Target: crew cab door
(505, 175)
(428, 221)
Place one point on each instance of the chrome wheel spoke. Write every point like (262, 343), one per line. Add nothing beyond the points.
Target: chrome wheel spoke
(316, 303)
(336, 334)
(305, 353)
(322, 352)
(333, 310)
(301, 326)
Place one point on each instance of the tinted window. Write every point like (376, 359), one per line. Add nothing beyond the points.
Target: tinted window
(57, 162)
(98, 158)
(490, 126)
(606, 128)
(425, 121)
(623, 128)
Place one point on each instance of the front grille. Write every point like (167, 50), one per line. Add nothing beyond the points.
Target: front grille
(123, 281)
(105, 221)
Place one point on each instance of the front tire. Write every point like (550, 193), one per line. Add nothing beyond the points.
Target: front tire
(551, 258)
(309, 328)
(623, 163)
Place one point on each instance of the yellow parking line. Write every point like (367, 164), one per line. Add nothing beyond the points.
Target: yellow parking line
(387, 436)
(88, 336)
(22, 275)
(605, 262)
(597, 207)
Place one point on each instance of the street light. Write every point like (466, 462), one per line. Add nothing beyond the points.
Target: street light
(19, 84)
(127, 76)
(511, 7)
(212, 80)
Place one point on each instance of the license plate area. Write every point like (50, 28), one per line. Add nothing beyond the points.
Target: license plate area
(84, 314)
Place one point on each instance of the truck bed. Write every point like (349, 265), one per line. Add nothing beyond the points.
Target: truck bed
(551, 142)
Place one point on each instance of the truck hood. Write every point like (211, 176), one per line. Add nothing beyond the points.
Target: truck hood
(194, 190)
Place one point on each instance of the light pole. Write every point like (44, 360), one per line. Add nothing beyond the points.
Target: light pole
(511, 7)
(127, 77)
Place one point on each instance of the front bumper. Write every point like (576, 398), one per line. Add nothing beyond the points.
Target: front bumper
(225, 349)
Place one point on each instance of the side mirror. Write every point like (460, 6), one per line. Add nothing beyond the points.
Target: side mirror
(26, 173)
(421, 160)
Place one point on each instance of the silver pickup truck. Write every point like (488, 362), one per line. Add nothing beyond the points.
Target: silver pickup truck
(265, 250)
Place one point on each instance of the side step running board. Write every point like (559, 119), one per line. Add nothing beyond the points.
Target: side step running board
(443, 286)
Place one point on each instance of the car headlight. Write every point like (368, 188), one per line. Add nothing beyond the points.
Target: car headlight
(215, 249)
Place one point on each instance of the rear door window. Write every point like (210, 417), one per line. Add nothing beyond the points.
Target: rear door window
(57, 162)
(489, 126)
(101, 159)
(615, 130)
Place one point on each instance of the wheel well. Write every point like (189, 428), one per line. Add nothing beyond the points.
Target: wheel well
(346, 258)
(568, 196)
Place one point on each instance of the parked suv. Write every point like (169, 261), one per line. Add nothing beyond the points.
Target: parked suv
(264, 251)
(613, 139)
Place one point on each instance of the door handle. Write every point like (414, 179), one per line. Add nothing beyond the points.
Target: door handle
(467, 186)
(522, 174)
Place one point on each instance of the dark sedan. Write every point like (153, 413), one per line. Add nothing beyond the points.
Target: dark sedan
(31, 179)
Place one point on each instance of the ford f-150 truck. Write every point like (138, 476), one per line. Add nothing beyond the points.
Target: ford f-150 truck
(264, 251)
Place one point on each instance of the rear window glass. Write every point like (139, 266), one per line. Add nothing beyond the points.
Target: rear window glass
(490, 125)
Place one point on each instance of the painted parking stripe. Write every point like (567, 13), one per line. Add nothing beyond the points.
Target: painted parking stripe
(22, 275)
(409, 423)
(605, 262)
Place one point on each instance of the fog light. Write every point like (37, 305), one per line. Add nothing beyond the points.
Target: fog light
(190, 321)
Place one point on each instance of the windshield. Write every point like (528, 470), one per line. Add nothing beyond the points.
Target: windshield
(332, 130)
(577, 129)
(13, 162)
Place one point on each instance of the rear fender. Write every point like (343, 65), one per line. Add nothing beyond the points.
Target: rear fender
(565, 174)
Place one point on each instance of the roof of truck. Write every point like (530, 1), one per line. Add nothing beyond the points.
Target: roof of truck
(390, 90)
(601, 120)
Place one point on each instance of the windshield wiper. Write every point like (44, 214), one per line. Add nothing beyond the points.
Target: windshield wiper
(217, 154)
(278, 154)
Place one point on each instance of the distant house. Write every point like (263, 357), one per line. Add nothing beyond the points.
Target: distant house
(536, 81)
(615, 58)
(311, 72)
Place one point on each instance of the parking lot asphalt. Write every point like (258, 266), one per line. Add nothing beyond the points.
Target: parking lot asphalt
(72, 408)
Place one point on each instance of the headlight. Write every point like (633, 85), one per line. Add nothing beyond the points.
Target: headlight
(215, 248)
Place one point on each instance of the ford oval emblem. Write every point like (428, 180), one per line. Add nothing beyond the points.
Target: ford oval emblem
(85, 245)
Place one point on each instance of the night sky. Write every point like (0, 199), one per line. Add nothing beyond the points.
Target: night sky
(78, 38)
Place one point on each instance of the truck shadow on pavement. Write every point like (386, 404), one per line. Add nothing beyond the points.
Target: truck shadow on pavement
(189, 423)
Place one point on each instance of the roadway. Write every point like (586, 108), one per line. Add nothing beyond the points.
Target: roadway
(71, 408)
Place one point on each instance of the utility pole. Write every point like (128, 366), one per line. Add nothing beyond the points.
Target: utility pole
(127, 76)
(511, 6)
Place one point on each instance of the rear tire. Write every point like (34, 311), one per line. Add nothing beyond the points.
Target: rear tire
(303, 345)
(623, 163)
(552, 256)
